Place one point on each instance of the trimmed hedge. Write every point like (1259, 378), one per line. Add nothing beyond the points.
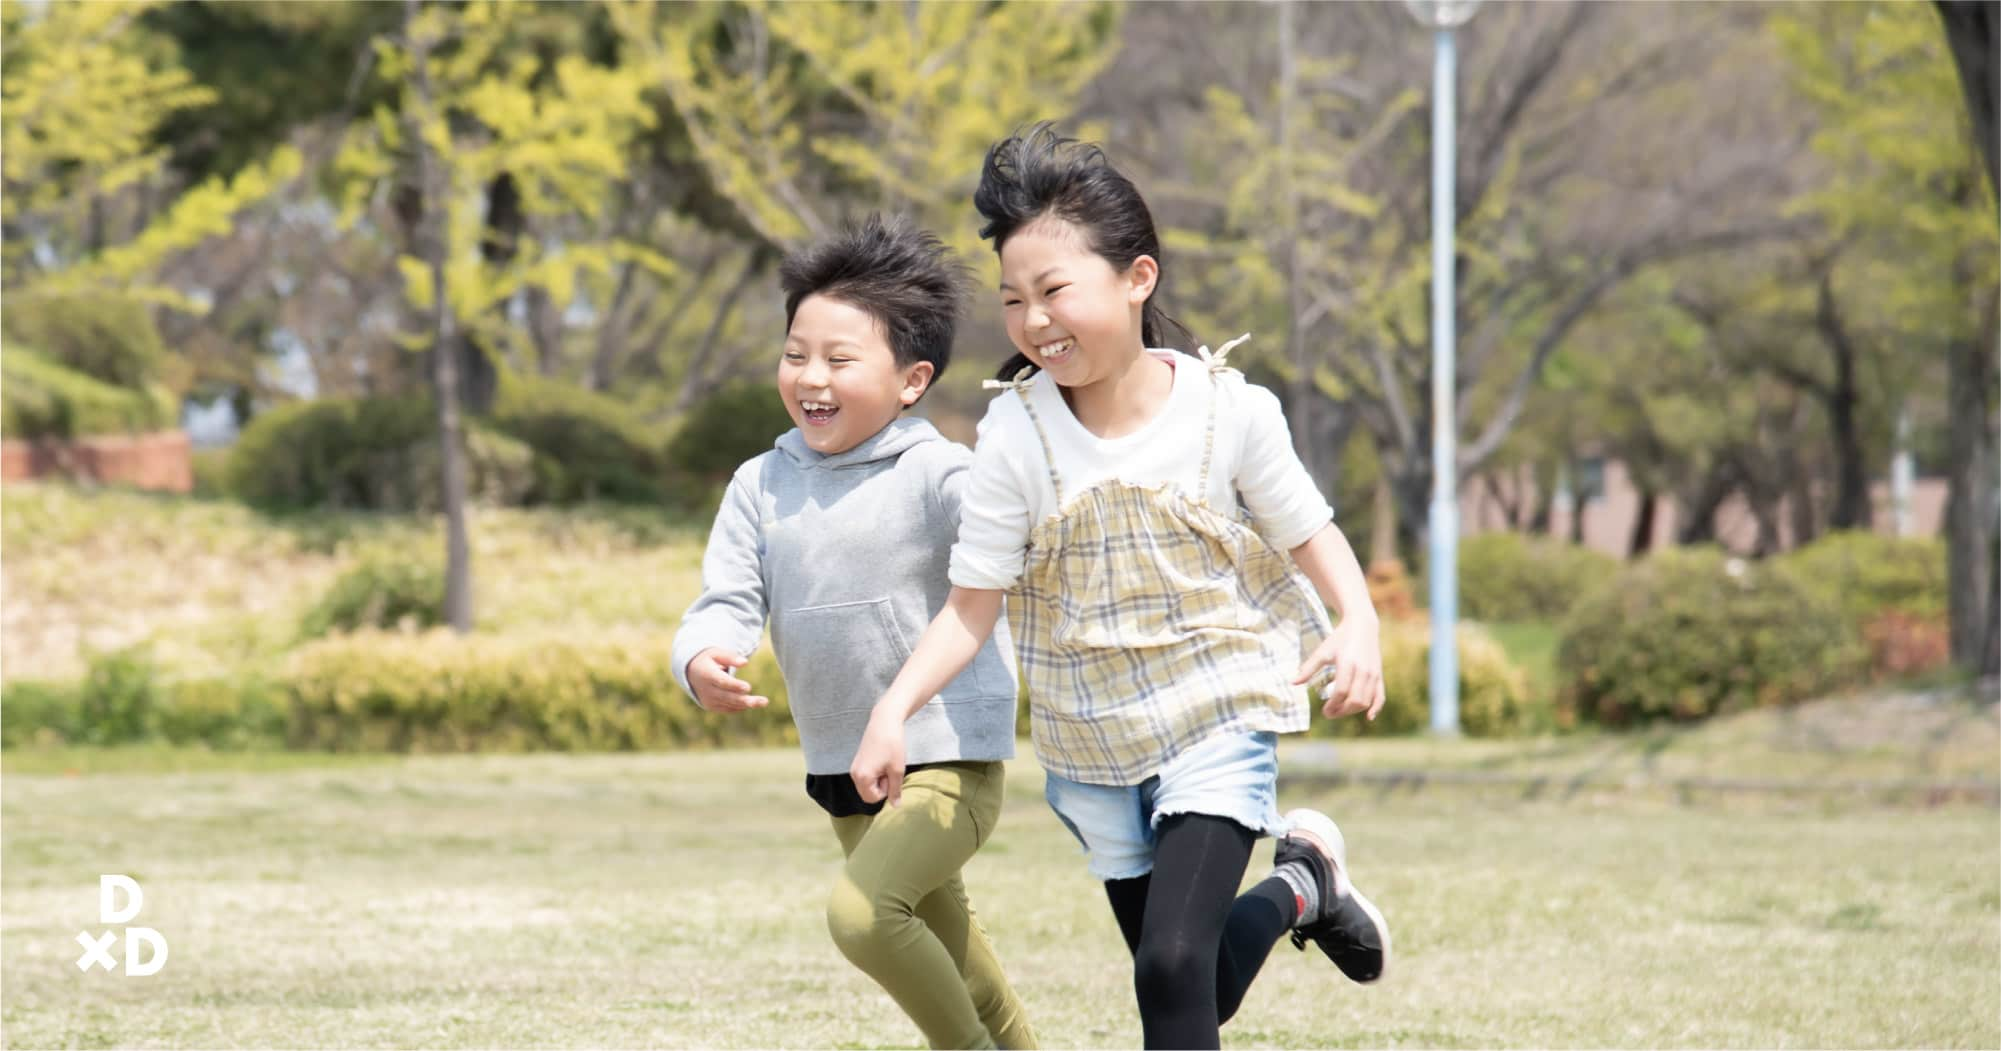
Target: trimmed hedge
(587, 446)
(1494, 697)
(439, 692)
(42, 399)
(367, 453)
(1508, 576)
(123, 699)
(1687, 634)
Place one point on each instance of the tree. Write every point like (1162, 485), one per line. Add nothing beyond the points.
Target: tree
(1907, 179)
(477, 126)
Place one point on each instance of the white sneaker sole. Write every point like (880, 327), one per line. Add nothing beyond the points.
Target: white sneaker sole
(1321, 827)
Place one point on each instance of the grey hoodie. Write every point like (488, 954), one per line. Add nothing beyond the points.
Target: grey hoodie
(847, 555)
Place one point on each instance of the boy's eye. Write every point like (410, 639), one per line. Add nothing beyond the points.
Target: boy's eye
(1010, 302)
(1055, 290)
(840, 360)
(793, 355)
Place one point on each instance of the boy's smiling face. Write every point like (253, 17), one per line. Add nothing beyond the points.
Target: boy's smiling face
(839, 377)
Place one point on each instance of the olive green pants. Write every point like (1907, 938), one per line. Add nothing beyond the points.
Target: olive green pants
(899, 911)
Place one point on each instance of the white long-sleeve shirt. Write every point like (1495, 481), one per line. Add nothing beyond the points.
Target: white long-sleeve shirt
(1009, 489)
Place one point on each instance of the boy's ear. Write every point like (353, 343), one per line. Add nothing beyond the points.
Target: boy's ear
(1141, 277)
(916, 380)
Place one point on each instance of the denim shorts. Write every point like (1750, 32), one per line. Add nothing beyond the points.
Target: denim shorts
(1234, 777)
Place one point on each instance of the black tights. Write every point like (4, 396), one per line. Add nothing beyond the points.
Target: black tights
(1195, 950)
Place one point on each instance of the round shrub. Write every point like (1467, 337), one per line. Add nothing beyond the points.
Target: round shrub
(1687, 634)
(586, 445)
(1494, 697)
(1867, 574)
(367, 453)
(383, 591)
(1508, 576)
(729, 427)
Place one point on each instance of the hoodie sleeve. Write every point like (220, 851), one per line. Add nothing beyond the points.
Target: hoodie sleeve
(731, 610)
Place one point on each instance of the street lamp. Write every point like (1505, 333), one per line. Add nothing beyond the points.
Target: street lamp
(1443, 16)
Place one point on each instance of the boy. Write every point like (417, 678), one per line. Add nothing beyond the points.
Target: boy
(841, 535)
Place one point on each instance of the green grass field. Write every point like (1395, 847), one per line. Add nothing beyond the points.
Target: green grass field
(675, 900)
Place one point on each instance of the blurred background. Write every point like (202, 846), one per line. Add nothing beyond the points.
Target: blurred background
(371, 371)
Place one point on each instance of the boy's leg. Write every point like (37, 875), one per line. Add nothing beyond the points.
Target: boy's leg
(1198, 863)
(950, 915)
(906, 854)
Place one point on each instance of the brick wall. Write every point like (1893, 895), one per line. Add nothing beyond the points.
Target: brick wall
(163, 461)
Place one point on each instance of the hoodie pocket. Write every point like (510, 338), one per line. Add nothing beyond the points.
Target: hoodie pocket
(840, 658)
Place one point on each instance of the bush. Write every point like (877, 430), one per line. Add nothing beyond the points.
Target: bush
(586, 445)
(369, 453)
(211, 473)
(1508, 576)
(1687, 634)
(1494, 697)
(440, 692)
(106, 336)
(42, 399)
(731, 426)
(386, 590)
(123, 702)
(1866, 574)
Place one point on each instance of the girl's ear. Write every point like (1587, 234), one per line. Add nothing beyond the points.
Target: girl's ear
(915, 381)
(1140, 279)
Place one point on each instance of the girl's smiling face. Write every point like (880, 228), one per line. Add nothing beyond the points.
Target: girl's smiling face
(1070, 312)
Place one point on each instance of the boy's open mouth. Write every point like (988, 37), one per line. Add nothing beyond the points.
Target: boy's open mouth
(818, 412)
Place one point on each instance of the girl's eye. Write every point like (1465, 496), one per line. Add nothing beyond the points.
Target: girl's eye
(1055, 290)
(794, 356)
(840, 361)
(1010, 302)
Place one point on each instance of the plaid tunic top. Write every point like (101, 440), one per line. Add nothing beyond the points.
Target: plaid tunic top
(1147, 621)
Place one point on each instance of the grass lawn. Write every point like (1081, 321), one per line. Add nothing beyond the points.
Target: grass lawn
(675, 900)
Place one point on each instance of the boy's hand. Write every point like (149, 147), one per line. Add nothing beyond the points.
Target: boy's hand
(878, 767)
(1355, 650)
(716, 688)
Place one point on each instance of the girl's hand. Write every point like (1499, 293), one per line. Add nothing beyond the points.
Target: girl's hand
(878, 767)
(1355, 650)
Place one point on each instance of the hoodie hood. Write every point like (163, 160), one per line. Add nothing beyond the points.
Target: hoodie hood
(901, 435)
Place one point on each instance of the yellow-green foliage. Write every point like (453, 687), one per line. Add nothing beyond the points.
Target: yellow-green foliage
(1494, 696)
(87, 91)
(440, 692)
(561, 132)
(41, 399)
(930, 87)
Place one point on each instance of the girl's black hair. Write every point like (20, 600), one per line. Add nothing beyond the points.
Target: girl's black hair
(1039, 172)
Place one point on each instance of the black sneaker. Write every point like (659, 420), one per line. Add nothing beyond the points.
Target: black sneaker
(1346, 926)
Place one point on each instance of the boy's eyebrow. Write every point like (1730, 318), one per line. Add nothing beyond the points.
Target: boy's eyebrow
(1005, 287)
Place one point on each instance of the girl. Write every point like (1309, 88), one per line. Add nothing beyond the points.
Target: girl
(1155, 624)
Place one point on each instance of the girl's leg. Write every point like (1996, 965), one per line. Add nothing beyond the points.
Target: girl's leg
(1198, 863)
(1258, 919)
(906, 854)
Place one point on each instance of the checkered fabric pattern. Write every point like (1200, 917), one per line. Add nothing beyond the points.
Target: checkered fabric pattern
(1147, 621)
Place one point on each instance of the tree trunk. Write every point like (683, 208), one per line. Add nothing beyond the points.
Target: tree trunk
(694, 383)
(1700, 526)
(1642, 539)
(1973, 33)
(1969, 515)
(1842, 399)
(445, 373)
(1300, 392)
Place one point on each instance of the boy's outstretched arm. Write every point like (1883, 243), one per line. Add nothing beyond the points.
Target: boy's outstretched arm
(1355, 648)
(947, 646)
(722, 628)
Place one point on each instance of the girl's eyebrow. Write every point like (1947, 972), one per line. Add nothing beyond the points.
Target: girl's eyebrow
(1005, 287)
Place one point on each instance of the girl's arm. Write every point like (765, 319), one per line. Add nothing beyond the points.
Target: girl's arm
(1355, 648)
(947, 646)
